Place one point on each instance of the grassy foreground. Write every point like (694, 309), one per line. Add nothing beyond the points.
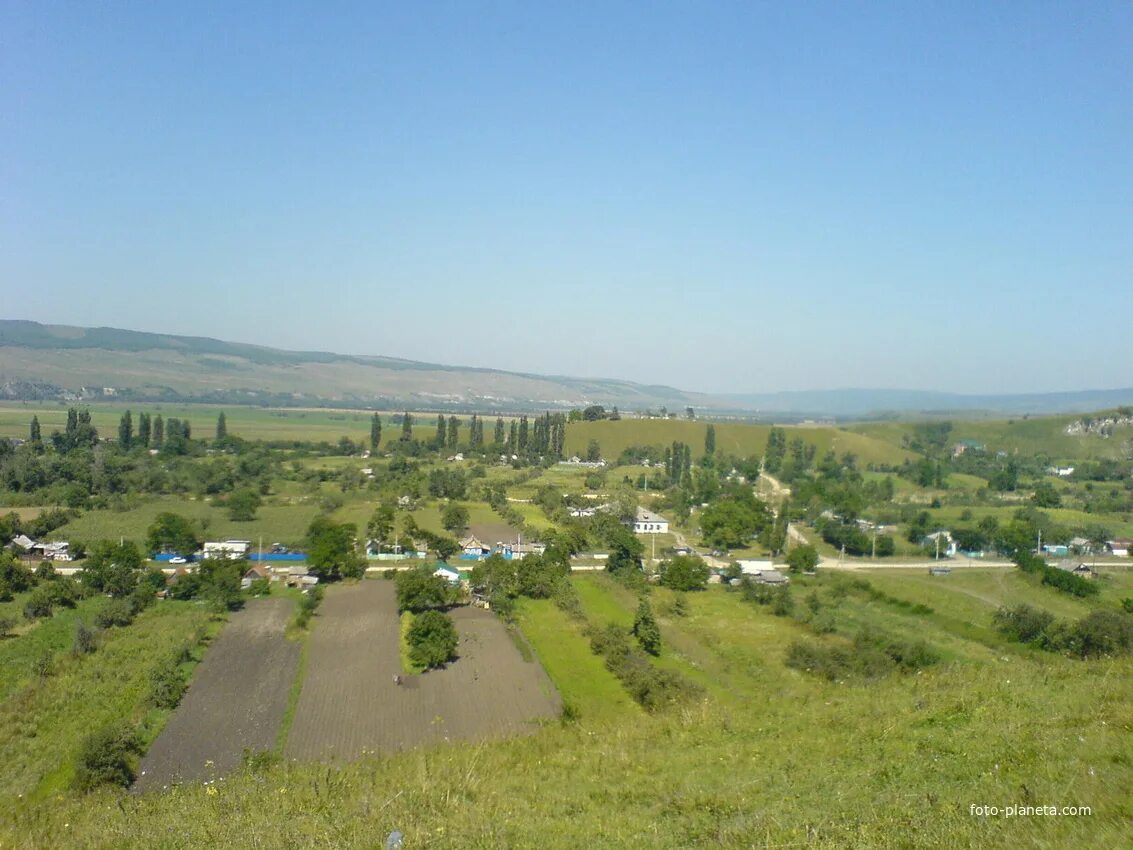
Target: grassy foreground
(772, 757)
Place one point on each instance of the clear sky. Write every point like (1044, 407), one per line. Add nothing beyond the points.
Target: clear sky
(719, 197)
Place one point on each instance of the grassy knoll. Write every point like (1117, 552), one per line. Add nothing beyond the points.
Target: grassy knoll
(732, 438)
(792, 761)
(48, 638)
(43, 721)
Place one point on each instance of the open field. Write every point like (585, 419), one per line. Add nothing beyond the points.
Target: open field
(349, 705)
(285, 523)
(236, 702)
(731, 438)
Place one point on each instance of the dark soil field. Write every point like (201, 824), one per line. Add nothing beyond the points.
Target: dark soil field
(350, 706)
(237, 700)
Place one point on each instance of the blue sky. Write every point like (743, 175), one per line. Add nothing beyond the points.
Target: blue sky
(721, 197)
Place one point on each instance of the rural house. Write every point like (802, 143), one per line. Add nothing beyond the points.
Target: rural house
(472, 549)
(647, 522)
(254, 573)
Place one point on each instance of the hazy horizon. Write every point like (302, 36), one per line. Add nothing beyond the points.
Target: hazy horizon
(724, 200)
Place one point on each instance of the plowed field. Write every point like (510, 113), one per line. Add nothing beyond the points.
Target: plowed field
(237, 700)
(349, 704)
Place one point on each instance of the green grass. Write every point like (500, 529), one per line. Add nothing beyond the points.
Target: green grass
(772, 756)
(43, 722)
(580, 676)
(283, 523)
(52, 636)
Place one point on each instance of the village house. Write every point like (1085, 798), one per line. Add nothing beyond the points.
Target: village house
(254, 573)
(472, 549)
(1077, 568)
(940, 542)
(647, 522)
(36, 551)
(1120, 547)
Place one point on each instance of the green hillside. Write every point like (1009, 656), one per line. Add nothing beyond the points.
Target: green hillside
(731, 438)
(1045, 435)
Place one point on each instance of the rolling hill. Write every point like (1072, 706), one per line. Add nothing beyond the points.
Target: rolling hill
(60, 362)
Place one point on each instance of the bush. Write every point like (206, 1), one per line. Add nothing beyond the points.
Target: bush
(1023, 623)
(1104, 632)
(106, 758)
(38, 604)
(7, 625)
(871, 656)
(645, 629)
(653, 689)
(86, 640)
(308, 605)
(432, 639)
(114, 612)
(167, 683)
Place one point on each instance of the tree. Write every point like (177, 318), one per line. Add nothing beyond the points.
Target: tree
(158, 432)
(330, 550)
(710, 440)
(375, 432)
(802, 559)
(170, 532)
(144, 430)
(440, 440)
(432, 639)
(380, 526)
(684, 572)
(594, 413)
(35, 437)
(593, 451)
(453, 432)
(1046, 496)
(243, 504)
(419, 590)
(221, 426)
(406, 427)
(625, 553)
(125, 430)
(645, 628)
(113, 568)
(454, 517)
(498, 435)
(614, 415)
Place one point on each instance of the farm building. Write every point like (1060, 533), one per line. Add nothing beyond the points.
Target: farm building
(754, 567)
(472, 549)
(448, 574)
(230, 550)
(254, 573)
(1078, 568)
(32, 550)
(647, 522)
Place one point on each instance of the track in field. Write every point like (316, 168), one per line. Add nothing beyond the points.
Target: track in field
(349, 704)
(237, 700)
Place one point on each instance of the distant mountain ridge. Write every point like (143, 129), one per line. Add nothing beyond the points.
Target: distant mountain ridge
(66, 362)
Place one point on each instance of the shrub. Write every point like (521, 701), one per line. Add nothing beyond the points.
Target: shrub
(1023, 623)
(167, 684)
(114, 612)
(565, 596)
(86, 640)
(106, 758)
(38, 604)
(645, 629)
(684, 572)
(872, 655)
(1104, 632)
(653, 689)
(432, 639)
(7, 624)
